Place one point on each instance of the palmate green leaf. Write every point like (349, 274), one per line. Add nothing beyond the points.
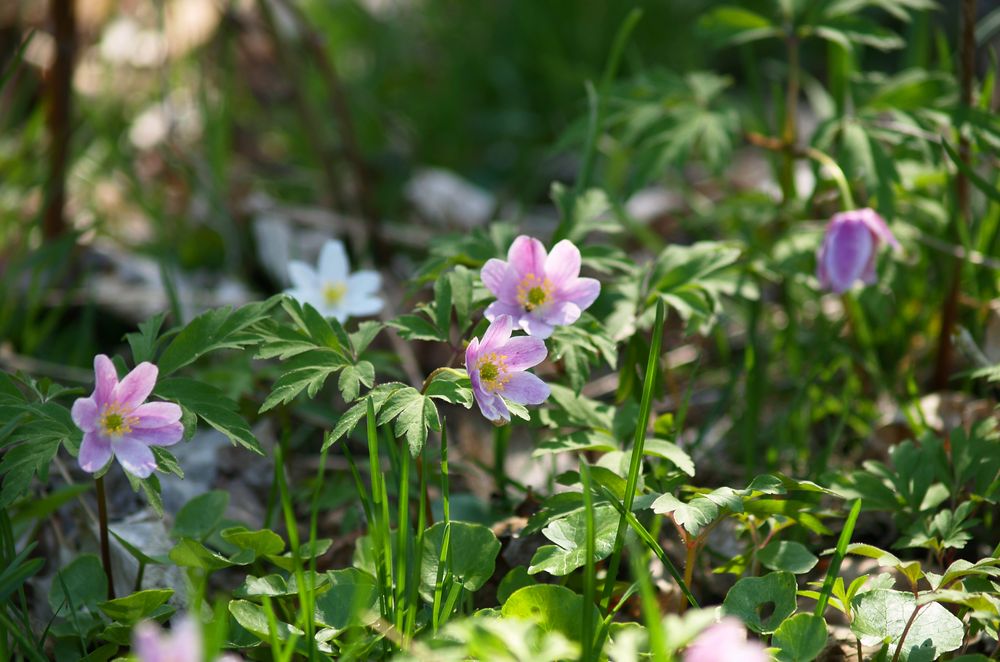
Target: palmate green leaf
(881, 616)
(471, 561)
(415, 327)
(750, 596)
(30, 438)
(589, 211)
(691, 279)
(413, 414)
(144, 342)
(452, 386)
(366, 333)
(350, 418)
(569, 535)
(212, 406)
(730, 26)
(581, 440)
(693, 516)
(306, 372)
(580, 345)
(353, 376)
(221, 328)
(800, 638)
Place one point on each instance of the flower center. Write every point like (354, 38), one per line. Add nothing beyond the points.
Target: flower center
(333, 293)
(115, 421)
(493, 371)
(533, 291)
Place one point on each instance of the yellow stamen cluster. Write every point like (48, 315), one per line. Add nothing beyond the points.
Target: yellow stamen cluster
(533, 291)
(333, 293)
(115, 421)
(493, 371)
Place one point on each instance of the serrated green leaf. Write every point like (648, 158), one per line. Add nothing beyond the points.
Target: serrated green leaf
(212, 406)
(221, 328)
(415, 327)
(351, 378)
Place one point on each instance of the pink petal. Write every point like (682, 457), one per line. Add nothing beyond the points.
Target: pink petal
(135, 457)
(562, 265)
(95, 451)
(878, 226)
(524, 352)
(136, 387)
(187, 644)
(106, 379)
(526, 389)
(562, 313)
(493, 407)
(582, 291)
(535, 327)
(848, 250)
(165, 435)
(471, 354)
(302, 275)
(85, 413)
(497, 334)
(498, 308)
(149, 643)
(527, 256)
(333, 264)
(156, 414)
(495, 276)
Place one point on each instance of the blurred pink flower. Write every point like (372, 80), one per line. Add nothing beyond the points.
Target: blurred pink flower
(115, 422)
(849, 249)
(539, 291)
(726, 641)
(497, 367)
(183, 643)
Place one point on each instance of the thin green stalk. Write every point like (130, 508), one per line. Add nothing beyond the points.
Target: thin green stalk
(838, 558)
(635, 462)
(28, 647)
(444, 556)
(306, 591)
(501, 436)
(412, 603)
(314, 507)
(589, 572)
(650, 608)
(102, 519)
(403, 538)
(379, 530)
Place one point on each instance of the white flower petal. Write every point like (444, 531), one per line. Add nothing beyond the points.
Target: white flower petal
(364, 282)
(333, 265)
(302, 275)
(363, 305)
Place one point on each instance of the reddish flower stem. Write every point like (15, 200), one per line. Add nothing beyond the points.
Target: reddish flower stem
(102, 517)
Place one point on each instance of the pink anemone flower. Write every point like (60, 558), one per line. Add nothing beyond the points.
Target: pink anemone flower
(117, 421)
(726, 641)
(850, 247)
(496, 367)
(539, 291)
(182, 644)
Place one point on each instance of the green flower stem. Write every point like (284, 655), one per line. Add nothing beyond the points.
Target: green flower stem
(501, 435)
(635, 462)
(102, 518)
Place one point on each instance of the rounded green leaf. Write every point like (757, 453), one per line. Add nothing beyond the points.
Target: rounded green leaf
(81, 583)
(554, 608)
(762, 602)
(787, 555)
(352, 599)
(801, 638)
(199, 516)
(473, 550)
(132, 608)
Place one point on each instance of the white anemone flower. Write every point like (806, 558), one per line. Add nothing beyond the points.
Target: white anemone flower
(331, 288)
